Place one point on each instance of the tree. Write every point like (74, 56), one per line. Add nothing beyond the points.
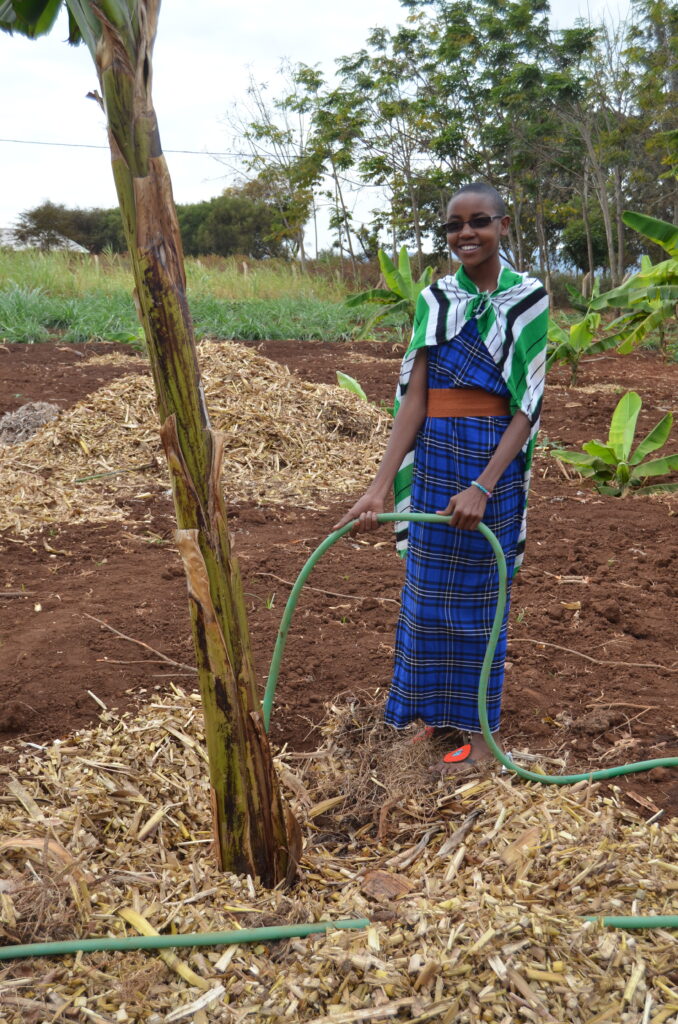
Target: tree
(337, 123)
(45, 226)
(249, 819)
(652, 47)
(283, 165)
(384, 89)
(236, 223)
(584, 244)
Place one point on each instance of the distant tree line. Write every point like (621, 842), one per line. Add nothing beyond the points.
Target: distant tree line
(240, 221)
(572, 126)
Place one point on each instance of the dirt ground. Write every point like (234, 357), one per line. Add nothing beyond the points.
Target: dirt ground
(593, 665)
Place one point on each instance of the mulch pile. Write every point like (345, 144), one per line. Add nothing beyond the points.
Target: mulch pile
(287, 441)
(477, 887)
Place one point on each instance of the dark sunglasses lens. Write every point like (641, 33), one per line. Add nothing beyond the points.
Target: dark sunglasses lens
(453, 226)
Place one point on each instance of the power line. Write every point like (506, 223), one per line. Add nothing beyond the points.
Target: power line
(89, 145)
(191, 152)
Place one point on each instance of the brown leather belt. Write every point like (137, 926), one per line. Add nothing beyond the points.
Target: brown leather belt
(465, 402)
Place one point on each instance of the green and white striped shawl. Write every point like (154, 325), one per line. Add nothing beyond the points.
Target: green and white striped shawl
(512, 322)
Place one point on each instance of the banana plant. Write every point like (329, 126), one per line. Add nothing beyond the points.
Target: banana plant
(348, 383)
(568, 346)
(401, 294)
(650, 297)
(254, 833)
(616, 467)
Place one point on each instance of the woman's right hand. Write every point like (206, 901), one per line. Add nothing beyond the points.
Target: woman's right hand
(365, 510)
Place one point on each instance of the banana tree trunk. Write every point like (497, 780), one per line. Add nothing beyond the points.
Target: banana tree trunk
(249, 823)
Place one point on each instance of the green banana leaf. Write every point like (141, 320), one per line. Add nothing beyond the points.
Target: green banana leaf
(659, 231)
(636, 288)
(581, 333)
(425, 279)
(405, 271)
(31, 18)
(626, 319)
(664, 293)
(657, 437)
(403, 305)
(392, 276)
(617, 297)
(656, 467)
(577, 300)
(557, 355)
(623, 424)
(575, 458)
(647, 324)
(601, 451)
(350, 384)
(602, 345)
(556, 333)
(587, 465)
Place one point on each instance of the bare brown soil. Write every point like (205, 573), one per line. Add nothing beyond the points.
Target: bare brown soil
(593, 662)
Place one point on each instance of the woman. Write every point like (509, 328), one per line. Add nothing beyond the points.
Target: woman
(468, 406)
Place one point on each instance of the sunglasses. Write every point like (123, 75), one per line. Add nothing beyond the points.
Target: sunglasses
(482, 221)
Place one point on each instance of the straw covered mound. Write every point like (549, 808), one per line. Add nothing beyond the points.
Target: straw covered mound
(287, 440)
(476, 887)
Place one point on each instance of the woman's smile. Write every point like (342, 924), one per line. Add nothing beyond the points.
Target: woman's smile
(476, 245)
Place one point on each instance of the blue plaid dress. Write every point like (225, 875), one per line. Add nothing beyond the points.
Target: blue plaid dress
(451, 581)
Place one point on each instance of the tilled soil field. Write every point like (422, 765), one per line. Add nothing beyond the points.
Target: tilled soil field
(92, 612)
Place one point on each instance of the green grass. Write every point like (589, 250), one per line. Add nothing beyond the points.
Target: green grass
(79, 298)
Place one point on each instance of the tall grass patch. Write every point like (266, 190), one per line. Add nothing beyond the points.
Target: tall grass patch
(78, 298)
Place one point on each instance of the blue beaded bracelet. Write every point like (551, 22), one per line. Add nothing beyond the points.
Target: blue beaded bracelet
(488, 494)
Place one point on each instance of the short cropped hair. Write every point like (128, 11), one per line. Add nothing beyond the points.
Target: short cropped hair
(484, 190)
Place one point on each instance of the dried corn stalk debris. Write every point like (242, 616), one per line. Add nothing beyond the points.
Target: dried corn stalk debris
(476, 887)
(20, 424)
(286, 440)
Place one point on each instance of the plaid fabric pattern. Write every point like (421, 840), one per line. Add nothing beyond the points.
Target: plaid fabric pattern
(512, 323)
(451, 583)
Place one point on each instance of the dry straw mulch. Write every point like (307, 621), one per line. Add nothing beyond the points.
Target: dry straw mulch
(287, 440)
(476, 887)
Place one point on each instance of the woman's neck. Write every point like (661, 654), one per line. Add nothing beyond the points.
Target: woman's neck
(484, 280)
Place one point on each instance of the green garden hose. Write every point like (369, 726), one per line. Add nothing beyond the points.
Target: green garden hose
(283, 931)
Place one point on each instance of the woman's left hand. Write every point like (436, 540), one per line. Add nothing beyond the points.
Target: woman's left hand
(466, 508)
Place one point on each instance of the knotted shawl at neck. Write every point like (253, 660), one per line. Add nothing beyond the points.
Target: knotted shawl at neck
(512, 322)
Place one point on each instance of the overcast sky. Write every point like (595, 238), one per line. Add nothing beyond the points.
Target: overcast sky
(202, 63)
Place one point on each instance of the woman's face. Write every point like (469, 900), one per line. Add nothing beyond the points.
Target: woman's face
(476, 248)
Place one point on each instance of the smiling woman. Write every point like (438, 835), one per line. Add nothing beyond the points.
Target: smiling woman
(476, 222)
(468, 407)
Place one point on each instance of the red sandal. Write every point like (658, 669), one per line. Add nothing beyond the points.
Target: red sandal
(460, 755)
